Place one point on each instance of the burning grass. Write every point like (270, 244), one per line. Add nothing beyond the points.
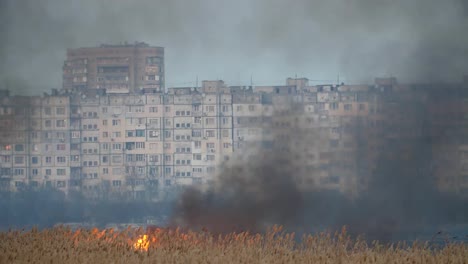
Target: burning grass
(63, 245)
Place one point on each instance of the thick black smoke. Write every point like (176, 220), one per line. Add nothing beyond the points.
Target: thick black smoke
(248, 196)
(402, 198)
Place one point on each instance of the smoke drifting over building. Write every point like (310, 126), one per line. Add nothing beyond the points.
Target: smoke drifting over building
(400, 157)
(391, 174)
(415, 40)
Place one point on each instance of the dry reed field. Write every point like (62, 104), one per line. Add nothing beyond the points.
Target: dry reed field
(63, 245)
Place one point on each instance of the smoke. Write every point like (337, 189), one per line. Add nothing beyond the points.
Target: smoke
(247, 196)
(45, 208)
(396, 195)
(358, 39)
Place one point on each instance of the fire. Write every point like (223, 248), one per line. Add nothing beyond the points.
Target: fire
(142, 243)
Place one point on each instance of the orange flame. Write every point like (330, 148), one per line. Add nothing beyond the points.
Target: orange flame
(142, 243)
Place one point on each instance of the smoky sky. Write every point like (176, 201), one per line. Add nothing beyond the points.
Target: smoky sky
(267, 40)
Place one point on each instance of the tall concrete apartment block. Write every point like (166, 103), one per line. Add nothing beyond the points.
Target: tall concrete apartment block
(115, 130)
(136, 144)
(126, 68)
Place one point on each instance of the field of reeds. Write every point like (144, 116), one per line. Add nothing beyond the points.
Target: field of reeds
(63, 245)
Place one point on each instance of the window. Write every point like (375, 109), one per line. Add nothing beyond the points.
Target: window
(105, 146)
(197, 120)
(104, 110)
(34, 135)
(48, 172)
(130, 145)
(34, 160)
(154, 133)
(60, 123)
(104, 122)
(48, 111)
(140, 145)
(197, 156)
(210, 157)
(226, 145)
(75, 134)
(48, 159)
(210, 133)
(167, 158)
(61, 184)
(167, 134)
(105, 134)
(116, 183)
(153, 109)
(75, 158)
(225, 133)
(239, 108)
(209, 108)
(140, 133)
(196, 133)
(197, 144)
(116, 146)
(348, 107)
(60, 110)
(334, 106)
(116, 134)
(154, 158)
(251, 108)
(61, 159)
(210, 145)
(19, 147)
(116, 122)
(61, 172)
(19, 160)
(105, 170)
(61, 146)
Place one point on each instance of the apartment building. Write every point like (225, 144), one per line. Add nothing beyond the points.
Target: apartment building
(123, 68)
(135, 144)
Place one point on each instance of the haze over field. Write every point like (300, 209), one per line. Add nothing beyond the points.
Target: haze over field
(233, 40)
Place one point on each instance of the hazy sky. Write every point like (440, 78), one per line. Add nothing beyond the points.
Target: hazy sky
(232, 40)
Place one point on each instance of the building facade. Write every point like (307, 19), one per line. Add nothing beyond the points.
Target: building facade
(125, 68)
(136, 144)
(114, 130)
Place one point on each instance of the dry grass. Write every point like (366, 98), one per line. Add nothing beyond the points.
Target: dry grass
(62, 245)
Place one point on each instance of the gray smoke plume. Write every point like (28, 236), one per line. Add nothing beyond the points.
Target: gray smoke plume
(401, 197)
(415, 40)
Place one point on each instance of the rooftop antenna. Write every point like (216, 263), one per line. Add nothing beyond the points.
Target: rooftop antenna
(251, 80)
(196, 82)
(338, 79)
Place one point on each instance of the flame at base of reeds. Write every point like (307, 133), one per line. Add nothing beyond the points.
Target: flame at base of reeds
(63, 245)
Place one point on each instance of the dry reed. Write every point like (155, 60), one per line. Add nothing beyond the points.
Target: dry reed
(63, 245)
